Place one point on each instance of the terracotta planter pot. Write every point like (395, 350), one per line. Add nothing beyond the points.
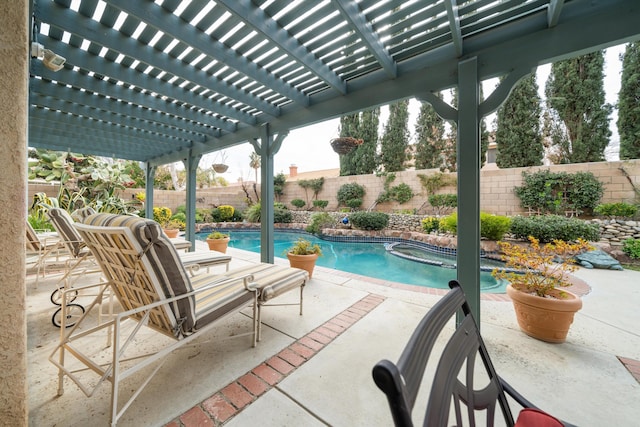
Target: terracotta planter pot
(171, 233)
(305, 262)
(547, 319)
(219, 245)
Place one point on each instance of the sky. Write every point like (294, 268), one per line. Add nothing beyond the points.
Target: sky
(309, 149)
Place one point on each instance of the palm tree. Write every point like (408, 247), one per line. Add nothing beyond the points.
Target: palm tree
(254, 162)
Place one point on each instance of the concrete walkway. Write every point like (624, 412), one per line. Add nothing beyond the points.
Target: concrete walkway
(315, 369)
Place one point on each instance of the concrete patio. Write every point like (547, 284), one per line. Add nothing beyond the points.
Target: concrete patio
(316, 369)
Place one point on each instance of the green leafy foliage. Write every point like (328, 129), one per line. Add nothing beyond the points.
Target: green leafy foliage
(449, 223)
(430, 223)
(278, 185)
(350, 193)
(430, 141)
(320, 204)
(575, 91)
(557, 192)
(298, 203)
(162, 215)
(631, 247)
(394, 142)
(280, 213)
(616, 210)
(318, 221)
(547, 228)
(494, 227)
(314, 184)
(628, 105)
(226, 212)
(518, 133)
(304, 247)
(369, 220)
(443, 202)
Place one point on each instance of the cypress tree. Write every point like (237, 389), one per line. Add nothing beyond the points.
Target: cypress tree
(366, 161)
(629, 103)
(430, 138)
(575, 89)
(349, 126)
(518, 127)
(395, 140)
(363, 126)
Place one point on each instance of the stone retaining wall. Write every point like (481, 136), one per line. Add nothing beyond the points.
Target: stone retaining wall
(613, 232)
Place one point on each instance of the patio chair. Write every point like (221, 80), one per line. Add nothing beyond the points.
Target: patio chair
(42, 246)
(156, 293)
(454, 377)
(78, 264)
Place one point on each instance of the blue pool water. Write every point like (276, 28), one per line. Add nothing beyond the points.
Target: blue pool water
(366, 259)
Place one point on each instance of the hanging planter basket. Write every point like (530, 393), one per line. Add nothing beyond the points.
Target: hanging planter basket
(345, 145)
(220, 167)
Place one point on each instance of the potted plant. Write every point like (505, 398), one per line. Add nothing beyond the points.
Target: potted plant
(303, 254)
(218, 241)
(535, 273)
(171, 228)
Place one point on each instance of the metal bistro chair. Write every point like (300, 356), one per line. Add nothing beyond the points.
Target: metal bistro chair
(401, 381)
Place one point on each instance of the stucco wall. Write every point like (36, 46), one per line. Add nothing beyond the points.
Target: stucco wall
(14, 95)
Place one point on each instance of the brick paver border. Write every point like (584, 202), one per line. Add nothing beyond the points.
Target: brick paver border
(237, 395)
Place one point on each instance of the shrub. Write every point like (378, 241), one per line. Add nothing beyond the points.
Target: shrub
(401, 193)
(280, 213)
(350, 191)
(215, 215)
(252, 214)
(449, 223)
(443, 202)
(557, 192)
(319, 221)
(298, 203)
(430, 223)
(631, 247)
(161, 215)
(369, 220)
(547, 228)
(321, 204)
(619, 210)
(494, 227)
(180, 216)
(226, 212)
(181, 209)
(354, 203)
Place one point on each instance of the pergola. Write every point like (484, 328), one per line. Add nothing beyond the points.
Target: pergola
(170, 80)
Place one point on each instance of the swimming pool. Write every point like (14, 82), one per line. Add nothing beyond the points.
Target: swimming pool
(367, 259)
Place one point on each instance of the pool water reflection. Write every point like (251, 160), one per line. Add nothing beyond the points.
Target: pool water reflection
(366, 259)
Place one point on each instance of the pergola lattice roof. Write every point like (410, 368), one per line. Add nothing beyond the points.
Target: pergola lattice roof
(161, 81)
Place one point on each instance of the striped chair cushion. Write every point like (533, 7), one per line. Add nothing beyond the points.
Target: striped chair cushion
(63, 223)
(80, 214)
(272, 280)
(163, 259)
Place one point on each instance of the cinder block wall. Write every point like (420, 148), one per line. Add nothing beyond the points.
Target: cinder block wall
(496, 189)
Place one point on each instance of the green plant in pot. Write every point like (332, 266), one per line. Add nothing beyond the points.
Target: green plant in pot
(543, 310)
(171, 228)
(303, 254)
(218, 241)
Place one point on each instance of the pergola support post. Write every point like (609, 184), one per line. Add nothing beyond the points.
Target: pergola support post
(191, 167)
(468, 252)
(266, 148)
(149, 178)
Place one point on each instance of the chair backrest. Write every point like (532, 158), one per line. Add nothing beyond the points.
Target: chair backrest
(63, 223)
(33, 243)
(401, 382)
(143, 266)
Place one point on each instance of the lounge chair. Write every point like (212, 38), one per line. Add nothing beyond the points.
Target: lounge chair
(155, 291)
(42, 246)
(78, 264)
(455, 375)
